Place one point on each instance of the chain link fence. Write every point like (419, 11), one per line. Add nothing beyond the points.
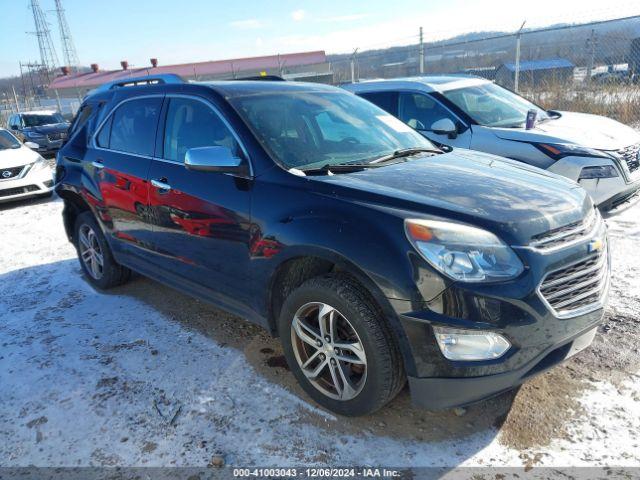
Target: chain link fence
(592, 68)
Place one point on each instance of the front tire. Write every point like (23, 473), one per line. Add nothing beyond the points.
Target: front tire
(340, 347)
(95, 256)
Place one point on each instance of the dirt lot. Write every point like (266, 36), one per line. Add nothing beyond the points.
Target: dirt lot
(145, 376)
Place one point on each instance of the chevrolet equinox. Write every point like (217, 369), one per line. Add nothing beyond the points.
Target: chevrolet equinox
(375, 256)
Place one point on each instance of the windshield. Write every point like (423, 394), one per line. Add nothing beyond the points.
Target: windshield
(312, 129)
(493, 106)
(8, 141)
(38, 119)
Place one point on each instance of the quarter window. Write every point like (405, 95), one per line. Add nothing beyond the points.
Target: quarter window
(420, 111)
(385, 100)
(80, 120)
(191, 124)
(132, 128)
(105, 132)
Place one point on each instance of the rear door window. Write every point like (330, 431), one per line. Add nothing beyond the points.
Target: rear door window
(132, 127)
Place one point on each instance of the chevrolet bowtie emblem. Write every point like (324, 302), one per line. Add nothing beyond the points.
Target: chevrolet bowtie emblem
(595, 245)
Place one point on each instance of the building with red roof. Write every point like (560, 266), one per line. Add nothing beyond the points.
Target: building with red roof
(304, 66)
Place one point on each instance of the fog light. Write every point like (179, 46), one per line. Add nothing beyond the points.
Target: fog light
(470, 345)
(601, 171)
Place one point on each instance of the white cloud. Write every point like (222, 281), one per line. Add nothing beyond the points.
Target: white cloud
(247, 24)
(345, 18)
(298, 15)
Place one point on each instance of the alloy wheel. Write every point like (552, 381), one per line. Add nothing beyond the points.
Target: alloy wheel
(329, 351)
(90, 252)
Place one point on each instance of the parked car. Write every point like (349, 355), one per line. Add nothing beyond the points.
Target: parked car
(374, 255)
(602, 155)
(23, 172)
(46, 128)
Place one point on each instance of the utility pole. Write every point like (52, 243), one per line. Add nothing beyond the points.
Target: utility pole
(592, 41)
(68, 47)
(516, 79)
(15, 98)
(421, 52)
(353, 66)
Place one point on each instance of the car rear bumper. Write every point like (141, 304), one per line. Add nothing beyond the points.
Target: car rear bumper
(441, 393)
(33, 184)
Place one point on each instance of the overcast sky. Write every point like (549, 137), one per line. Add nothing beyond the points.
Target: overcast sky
(108, 31)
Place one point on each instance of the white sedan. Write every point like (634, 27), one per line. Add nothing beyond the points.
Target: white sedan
(23, 172)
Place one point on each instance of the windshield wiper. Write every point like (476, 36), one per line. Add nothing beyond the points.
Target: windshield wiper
(405, 152)
(338, 168)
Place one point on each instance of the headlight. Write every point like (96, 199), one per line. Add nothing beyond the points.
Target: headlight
(560, 150)
(462, 252)
(470, 345)
(598, 171)
(39, 164)
(33, 134)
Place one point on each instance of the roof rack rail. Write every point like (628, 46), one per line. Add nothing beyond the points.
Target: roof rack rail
(267, 78)
(164, 78)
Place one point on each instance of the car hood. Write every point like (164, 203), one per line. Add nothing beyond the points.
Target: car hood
(16, 157)
(52, 128)
(502, 195)
(582, 129)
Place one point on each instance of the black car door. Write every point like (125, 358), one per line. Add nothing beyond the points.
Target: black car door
(118, 163)
(201, 219)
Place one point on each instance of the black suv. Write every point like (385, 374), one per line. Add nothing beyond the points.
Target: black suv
(372, 254)
(46, 128)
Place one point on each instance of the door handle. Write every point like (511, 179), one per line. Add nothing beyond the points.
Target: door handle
(98, 164)
(161, 184)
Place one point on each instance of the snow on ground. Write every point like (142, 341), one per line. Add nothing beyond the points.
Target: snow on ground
(144, 376)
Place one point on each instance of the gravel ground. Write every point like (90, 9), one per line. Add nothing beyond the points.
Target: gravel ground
(144, 376)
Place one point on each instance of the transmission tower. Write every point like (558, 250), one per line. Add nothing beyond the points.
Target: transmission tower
(68, 47)
(48, 56)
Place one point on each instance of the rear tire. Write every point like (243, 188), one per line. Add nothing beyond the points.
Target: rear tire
(94, 254)
(360, 355)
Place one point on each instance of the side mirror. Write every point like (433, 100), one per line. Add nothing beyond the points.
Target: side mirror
(215, 159)
(14, 127)
(32, 145)
(445, 126)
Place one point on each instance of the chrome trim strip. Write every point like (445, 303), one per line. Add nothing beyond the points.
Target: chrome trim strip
(595, 224)
(570, 313)
(586, 294)
(592, 268)
(573, 288)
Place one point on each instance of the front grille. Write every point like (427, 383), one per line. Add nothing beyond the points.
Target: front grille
(7, 192)
(630, 156)
(10, 173)
(54, 137)
(562, 236)
(579, 287)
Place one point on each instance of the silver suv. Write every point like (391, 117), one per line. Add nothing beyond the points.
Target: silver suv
(463, 111)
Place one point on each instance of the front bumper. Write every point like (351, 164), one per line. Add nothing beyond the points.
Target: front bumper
(33, 184)
(46, 146)
(450, 392)
(545, 314)
(611, 195)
